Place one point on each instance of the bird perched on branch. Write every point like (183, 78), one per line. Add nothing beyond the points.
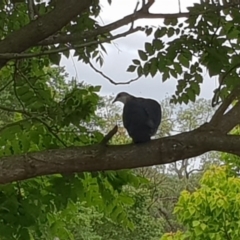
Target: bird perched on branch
(141, 116)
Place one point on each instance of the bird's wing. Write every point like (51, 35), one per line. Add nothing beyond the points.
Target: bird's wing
(153, 111)
(134, 113)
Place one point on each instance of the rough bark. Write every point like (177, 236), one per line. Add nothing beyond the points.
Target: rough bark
(100, 157)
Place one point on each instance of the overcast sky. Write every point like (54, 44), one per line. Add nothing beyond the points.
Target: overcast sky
(119, 57)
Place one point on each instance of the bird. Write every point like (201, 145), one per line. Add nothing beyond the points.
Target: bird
(141, 116)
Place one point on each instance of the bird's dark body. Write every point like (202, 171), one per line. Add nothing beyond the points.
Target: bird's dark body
(141, 118)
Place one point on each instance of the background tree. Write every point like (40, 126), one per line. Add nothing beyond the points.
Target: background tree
(214, 218)
(52, 133)
(40, 34)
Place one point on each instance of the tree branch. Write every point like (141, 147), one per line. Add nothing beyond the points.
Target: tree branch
(14, 110)
(226, 103)
(100, 157)
(143, 13)
(108, 28)
(107, 138)
(229, 120)
(7, 55)
(111, 80)
(42, 27)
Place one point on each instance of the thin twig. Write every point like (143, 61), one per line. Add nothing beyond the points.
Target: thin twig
(223, 107)
(109, 79)
(14, 110)
(31, 12)
(106, 138)
(179, 6)
(15, 84)
(215, 99)
(167, 218)
(6, 85)
(50, 130)
(146, 6)
(14, 124)
(134, 13)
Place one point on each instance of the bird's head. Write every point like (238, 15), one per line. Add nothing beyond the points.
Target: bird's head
(122, 97)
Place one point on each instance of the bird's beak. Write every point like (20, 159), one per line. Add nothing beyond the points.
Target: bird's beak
(114, 100)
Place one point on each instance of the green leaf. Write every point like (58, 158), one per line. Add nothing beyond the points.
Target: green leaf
(173, 73)
(185, 98)
(148, 31)
(160, 32)
(177, 67)
(97, 88)
(66, 54)
(149, 48)
(170, 32)
(191, 94)
(165, 76)
(139, 71)
(154, 67)
(55, 58)
(136, 62)
(142, 55)
(131, 68)
(195, 87)
(183, 60)
(158, 44)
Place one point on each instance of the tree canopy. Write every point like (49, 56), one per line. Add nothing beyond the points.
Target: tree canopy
(56, 135)
(35, 35)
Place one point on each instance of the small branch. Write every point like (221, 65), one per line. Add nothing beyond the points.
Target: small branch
(31, 10)
(223, 107)
(15, 84)
(15, 110)
(179, 6)
(109, 79)
(140, 14)
(107, 138)
(98, 157)
(135, 10)
(134, 13)
(14, 124)
(215, 99)
(110, 27)
(194, 170)
(50, 130)
(146, 6)
(62, 49)
(167, 219)
(6, 85)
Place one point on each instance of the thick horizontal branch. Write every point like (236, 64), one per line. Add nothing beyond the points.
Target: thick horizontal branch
(99, 157)
(211, 136)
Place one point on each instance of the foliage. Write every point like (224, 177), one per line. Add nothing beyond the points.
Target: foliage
(230, 159)
(212, 211)
(41, 110)
(55, 114)
(207, 39)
